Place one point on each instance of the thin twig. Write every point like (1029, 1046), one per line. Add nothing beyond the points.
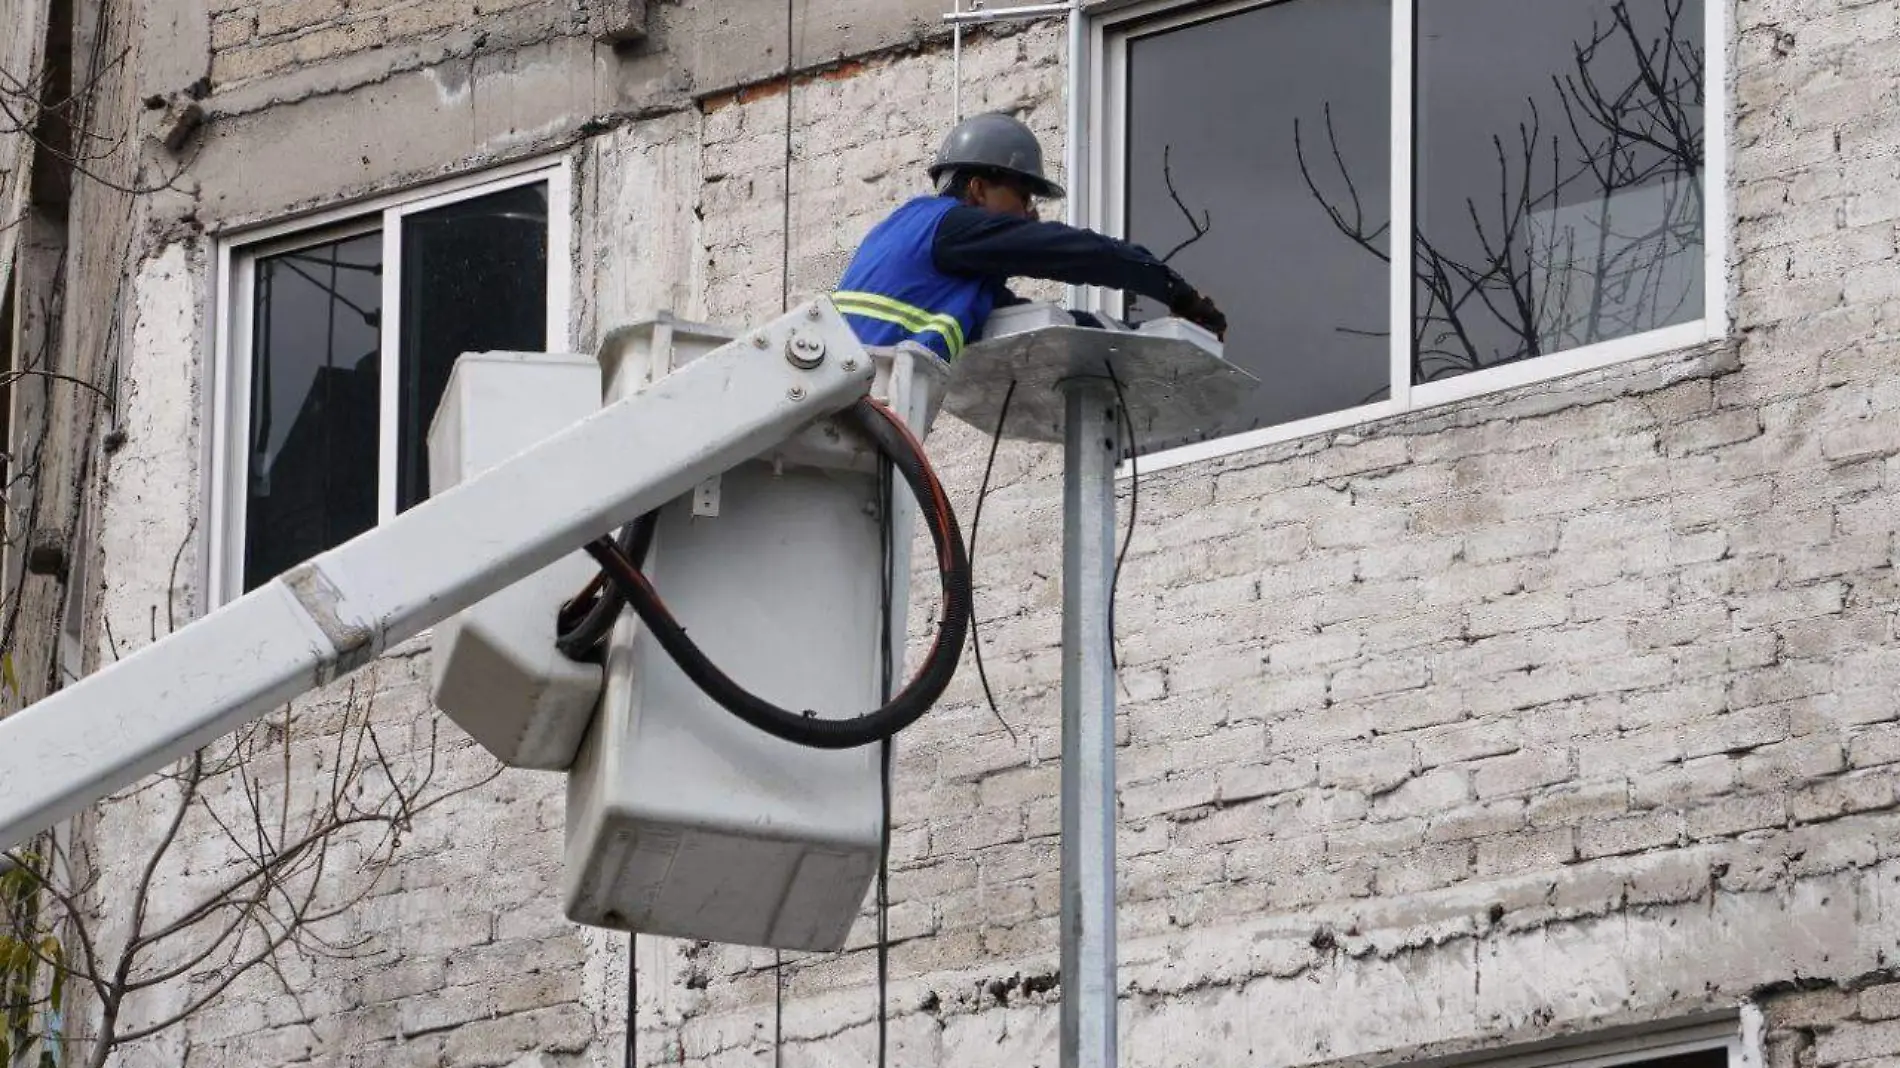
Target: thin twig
(1200, 226)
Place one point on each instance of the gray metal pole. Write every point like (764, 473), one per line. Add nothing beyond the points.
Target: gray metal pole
(1088, 726)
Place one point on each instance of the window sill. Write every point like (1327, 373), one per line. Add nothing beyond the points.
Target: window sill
(1588, 375)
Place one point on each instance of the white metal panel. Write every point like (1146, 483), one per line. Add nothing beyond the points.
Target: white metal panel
(494, 668)
(781, 590)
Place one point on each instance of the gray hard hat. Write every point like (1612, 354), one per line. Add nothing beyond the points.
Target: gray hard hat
(994, 141)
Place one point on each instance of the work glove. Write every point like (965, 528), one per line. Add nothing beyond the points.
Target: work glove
(1196, 308)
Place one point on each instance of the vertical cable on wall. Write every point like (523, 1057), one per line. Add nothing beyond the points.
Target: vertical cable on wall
(887, 599)
(785, 244)
(956, 64)
(633, 998)
(1075, 147)
(785, 305)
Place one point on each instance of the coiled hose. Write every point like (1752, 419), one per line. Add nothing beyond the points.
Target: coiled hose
(585, 622)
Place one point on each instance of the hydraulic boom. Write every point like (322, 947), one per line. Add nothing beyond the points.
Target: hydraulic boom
(338, 611)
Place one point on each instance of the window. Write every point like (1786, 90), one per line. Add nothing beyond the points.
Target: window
(341, 337)
(1547, 161)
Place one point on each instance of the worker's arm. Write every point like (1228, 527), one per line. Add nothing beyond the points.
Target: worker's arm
(971, 241)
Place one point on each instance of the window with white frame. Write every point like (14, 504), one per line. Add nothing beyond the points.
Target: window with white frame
(340, 337)
(1545, 161)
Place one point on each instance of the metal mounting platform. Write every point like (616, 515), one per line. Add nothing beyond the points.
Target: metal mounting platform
(1177, 386)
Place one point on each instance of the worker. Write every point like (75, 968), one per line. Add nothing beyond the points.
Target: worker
(934, 269)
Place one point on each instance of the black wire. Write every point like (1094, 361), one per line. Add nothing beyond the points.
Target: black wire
(887, 544)
(785, 246)
(976, 519)
(633, 1007)
(785, 305)
(581, 638)
(895, 441)
(1134, 504)
(884, 914)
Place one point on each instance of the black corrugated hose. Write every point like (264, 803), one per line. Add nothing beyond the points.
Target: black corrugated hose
(620, 564)
(586, 620)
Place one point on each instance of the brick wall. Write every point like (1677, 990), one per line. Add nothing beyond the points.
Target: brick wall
(1833, 1025)
(1623, 643)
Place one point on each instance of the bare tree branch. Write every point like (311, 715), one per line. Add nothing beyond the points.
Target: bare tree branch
(1547, 266)
(1198, 227)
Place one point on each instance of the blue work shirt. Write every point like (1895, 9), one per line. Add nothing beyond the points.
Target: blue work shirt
(933, 270)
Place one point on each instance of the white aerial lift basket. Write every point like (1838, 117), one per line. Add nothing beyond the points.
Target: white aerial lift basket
(682, 819)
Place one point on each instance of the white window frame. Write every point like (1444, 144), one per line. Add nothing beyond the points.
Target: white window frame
(1106, 182)
(237, 255)
(1738, 1033)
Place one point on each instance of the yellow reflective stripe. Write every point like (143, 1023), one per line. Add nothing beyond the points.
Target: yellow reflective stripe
(908, 316)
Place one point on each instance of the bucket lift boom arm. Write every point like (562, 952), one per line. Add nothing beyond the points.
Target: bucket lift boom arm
(333, 614)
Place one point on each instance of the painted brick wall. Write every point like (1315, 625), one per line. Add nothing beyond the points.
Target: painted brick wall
(1498, 721)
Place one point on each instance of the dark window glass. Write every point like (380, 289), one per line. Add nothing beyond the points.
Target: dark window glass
(312, 473)
(1702, 1058)
(1559, 195)
(474, 279)
(1271, 129)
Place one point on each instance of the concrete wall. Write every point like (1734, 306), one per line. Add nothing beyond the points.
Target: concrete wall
(1512, 719)
(68, 299)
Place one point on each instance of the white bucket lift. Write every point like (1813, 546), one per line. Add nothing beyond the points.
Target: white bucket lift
(682, 819)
